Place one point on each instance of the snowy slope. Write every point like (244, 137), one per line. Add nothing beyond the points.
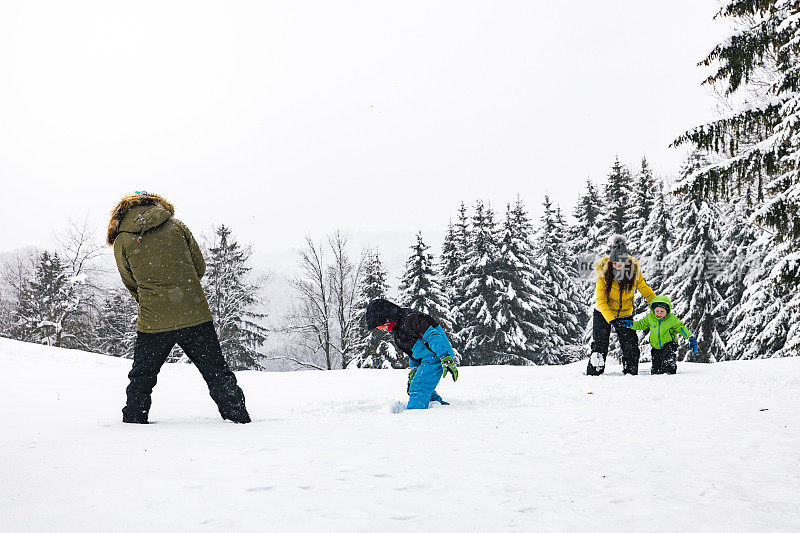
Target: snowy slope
(521, 449)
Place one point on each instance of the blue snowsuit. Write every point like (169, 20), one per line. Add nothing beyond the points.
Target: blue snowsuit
(426, 357)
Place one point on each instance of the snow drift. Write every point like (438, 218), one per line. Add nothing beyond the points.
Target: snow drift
(542, 448)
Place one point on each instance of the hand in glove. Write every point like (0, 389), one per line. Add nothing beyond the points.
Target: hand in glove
(410, 379)
(693, 344)
(624, 322)
(449, 366)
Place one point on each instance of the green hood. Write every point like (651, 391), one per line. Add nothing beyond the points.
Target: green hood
(661, 299)
(143, 217)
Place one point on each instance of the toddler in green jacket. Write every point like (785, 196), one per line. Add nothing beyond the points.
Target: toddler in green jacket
(664, 330)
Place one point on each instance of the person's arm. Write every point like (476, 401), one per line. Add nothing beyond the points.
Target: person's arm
(436, 340)
(125, 270)
(683, 330)
(602, 301)
(194, 250)
(641, 324)
(644, 289)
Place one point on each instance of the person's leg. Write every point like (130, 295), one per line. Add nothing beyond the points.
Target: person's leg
(670, 364)
(601, 330)
(629, 343)
(421, 390)
(201, 345)
(657, 356)
(149, 353)
(436, 398)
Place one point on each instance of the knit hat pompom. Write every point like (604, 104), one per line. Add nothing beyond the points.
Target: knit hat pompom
(618, 248)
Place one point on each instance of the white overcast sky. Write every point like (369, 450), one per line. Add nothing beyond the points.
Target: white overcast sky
(282, 119)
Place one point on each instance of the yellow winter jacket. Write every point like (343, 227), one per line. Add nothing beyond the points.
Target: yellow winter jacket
(617, 304)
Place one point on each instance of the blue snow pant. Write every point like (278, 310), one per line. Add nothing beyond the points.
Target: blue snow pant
(422, 390)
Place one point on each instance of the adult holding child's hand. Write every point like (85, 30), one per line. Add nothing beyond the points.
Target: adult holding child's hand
(619, 275)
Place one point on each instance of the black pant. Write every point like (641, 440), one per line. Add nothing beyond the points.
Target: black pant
(664, 359)
(628, 340)
(201, 346)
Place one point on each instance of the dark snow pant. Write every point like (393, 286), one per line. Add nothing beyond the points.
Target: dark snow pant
(628, 340)
(664, 359)
(201, 346)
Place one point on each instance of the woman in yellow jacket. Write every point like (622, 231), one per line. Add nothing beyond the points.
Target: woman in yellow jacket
(618, 277)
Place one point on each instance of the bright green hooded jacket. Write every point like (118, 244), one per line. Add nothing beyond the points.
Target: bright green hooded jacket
(662, 330)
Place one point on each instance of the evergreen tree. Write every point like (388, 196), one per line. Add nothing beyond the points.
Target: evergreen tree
(561, 318)
(372, 348)
(759, 141)
(454, 254)
(48, 308)
(419, 287)
(643, 200)
(618, 213)
(520, 301)
(694, 284)
(233, 300)
(477, 275)
(658, 234)
(116, 328)
(585, 246)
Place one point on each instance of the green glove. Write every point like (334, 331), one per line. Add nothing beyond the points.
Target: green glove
(410, 379)
(449, 366)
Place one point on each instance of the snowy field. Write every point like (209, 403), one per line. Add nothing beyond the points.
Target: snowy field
(714, 448)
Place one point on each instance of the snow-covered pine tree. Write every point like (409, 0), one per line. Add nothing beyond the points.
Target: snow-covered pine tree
(564, 302)
(658, 237)
(48, 310)
(586, 248)
(234, 298)
(575, 313)
(643, 198)
(419, 287)
(116, 328)
(618, 209)
(372, 348)
(480, 331)
(454, 254)
(520, 303)
(694, 285)
(759, 140)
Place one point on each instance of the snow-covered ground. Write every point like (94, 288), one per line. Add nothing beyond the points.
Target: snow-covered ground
(716, 447)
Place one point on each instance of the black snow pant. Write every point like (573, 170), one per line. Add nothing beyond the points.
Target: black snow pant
(201, 345)
(665, 359)
(628, 340)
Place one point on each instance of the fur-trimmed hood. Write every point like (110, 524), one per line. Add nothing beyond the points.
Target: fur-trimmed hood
(138, 212)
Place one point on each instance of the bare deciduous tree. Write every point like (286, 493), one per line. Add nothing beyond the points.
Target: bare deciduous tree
(321, 320)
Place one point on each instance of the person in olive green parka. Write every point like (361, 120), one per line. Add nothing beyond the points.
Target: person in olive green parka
(664, 330)
(161, 265)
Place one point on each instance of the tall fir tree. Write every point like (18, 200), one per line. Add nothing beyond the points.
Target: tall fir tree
(372, 348)
(49, 310)
(519, 304)
(455, 250)
(758, 142)
(564, 307)
(481, 330)
(586, 248)
(234, 299)
(644, 193)
(618, 196)
(116, 328)
(420, 288)
(694, 283)
(659, 235)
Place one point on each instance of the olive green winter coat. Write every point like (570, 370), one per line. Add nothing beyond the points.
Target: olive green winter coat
(662, 330)
(160, 263)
